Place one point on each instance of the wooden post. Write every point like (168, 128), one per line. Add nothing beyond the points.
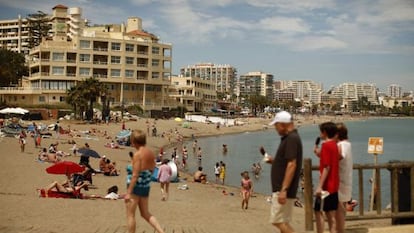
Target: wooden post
(412, 187)
(372, 197)
(307, 173)
(361, 191)
(394, 190)
(378, 190)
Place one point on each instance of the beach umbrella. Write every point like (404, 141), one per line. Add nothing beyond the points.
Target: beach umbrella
(123, 134)
(24, 111)
(19, 111)
(178, 119)
(88, 153)
(65, 168)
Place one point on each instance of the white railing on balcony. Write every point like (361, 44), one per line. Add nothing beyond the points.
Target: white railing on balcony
(100, 49)
(100, 62)
(100, 75)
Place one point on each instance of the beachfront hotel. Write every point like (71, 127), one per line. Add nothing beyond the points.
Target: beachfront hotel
(193, 93)
(134, 64)
(223, 77)
(14, 35)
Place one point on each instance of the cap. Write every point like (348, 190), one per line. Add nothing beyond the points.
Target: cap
(104, 156)
(282, 117)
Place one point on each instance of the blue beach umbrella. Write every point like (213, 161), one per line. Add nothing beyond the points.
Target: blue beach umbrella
(88, 153)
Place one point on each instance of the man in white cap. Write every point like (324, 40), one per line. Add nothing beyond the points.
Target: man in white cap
(285, 171)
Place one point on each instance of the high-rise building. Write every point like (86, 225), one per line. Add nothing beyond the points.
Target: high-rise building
(222, 76)
(255, 83)
(395, 91)
(132, 63)
(304, 90)
(14, 35)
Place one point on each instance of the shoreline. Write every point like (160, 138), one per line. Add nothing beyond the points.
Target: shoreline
(191, 210)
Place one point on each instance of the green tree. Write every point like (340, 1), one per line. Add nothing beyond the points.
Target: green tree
(39, 28)
(12, 67)
(83, 96)
(258, 103)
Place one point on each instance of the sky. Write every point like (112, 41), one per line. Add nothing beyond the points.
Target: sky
(327, 41)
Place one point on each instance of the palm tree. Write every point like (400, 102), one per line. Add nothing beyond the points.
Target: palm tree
(83, 96)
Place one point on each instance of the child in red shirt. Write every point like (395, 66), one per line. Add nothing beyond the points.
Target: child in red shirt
(329, 178)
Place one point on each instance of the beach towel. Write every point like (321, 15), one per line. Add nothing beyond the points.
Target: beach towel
(56, 194)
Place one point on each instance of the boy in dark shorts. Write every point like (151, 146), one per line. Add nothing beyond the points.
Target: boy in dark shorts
(327, 190)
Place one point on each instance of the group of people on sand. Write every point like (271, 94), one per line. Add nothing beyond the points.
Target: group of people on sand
(107, 167)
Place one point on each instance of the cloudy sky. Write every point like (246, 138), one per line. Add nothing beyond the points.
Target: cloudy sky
(328, 41)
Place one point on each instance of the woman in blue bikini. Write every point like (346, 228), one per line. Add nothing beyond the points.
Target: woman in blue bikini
(143, 163)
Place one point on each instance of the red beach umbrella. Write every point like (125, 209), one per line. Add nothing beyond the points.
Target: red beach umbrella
(65, 168)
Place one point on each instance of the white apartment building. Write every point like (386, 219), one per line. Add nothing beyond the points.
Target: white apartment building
(351, 92)
(255, 83)
(222, 76)
(193, 93)
(14, 35)
(132, 63)
(395, 91)
(304, 90)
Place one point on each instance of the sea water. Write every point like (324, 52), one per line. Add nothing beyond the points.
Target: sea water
(243, 151)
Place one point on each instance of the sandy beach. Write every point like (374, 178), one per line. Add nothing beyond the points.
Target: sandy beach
(201, 208)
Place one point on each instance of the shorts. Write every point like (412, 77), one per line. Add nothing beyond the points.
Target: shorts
(329, 203)
(281, 213)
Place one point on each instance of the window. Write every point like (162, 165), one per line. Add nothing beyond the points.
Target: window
(84, 71)
(84, 58)
(155, 62)
(42, 98)
(115, 73)
(155, 75)
(129, 73)
(57, 70)
(129, 60)
(85, 44)
(116, 46)
(156, 50)
(129, 47)
(115, 60)
(58, 56)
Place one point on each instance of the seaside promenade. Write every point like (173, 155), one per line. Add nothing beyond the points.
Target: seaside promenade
(199, 209)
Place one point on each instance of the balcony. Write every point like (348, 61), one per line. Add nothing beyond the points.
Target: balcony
(100, 62)
(100, 49)
(71, 60)
(100, 75)
(71, 74)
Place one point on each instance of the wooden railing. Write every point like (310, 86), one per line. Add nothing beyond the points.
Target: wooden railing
(395, 168)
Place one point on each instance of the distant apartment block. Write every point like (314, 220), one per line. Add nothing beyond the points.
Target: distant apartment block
(395, 91)
(14, 35)
(255, 83)
(222, 76)
(132, 63)
(303, 90)
(193, 93)
(352, 92)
